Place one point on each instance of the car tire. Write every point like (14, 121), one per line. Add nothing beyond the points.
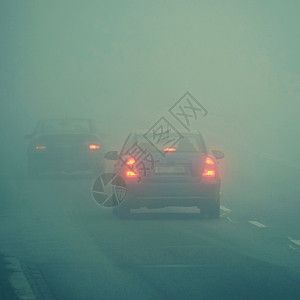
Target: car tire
(211, 210)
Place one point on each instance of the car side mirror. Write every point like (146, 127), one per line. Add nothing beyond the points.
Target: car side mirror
(28, 136)
(111, 155)
(217, 154)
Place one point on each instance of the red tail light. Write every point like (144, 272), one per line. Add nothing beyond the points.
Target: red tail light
(130, 161)
(209, 173)
(209, 161)
(94, 147)
(210, 168)
(40, 147)
(131, 174)
(170, 149)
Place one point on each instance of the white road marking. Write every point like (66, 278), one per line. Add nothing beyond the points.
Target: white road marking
(296, 242)
(293, 248)
(225, 209)
(258, 224)
(178, 266)
(230, 220)
(18, 279)
(170, 209)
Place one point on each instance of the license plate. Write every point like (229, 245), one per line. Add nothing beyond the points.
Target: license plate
(171, 169)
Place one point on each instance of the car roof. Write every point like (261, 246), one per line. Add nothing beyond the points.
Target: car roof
(197, 133)
(41, 123)
(66, 119)
(192, 132)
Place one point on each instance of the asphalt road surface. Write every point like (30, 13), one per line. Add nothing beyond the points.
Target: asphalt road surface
(71, 248)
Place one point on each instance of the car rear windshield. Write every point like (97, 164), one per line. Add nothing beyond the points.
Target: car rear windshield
(66, 126)
(189, 143)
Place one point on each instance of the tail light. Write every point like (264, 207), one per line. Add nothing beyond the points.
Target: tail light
(40, 147)
(131, 174)
(209, 168)
(130, 161)
(94, 147)
(170, 149)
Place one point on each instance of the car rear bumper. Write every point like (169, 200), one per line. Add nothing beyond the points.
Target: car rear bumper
(67, 163)
(184, 193)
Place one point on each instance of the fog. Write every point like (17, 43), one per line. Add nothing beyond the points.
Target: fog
(124, 64)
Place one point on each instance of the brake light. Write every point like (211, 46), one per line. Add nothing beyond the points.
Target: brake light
(40, 147)
(94, 147)
(170, 149)
(131, 174)
(130, 161)
(209, 173)
(210, 168)
(209, 161)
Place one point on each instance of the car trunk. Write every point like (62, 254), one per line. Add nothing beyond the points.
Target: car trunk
(173, 167)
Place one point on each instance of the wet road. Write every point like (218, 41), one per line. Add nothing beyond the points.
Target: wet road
(73, 249)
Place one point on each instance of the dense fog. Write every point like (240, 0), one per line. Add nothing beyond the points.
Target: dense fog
(125, 63)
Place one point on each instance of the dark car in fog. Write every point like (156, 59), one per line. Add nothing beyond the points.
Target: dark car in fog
(184, 175)
(65, 146)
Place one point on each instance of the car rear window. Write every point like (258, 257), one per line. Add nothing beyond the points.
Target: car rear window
(66, 126)
(189, 143)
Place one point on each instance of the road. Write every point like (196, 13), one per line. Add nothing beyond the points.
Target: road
(71, 248)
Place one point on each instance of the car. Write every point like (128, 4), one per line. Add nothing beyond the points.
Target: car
(183, 175)
(65, 146)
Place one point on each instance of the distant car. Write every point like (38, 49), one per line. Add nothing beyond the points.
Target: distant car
(64, 145)
(184, 175)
